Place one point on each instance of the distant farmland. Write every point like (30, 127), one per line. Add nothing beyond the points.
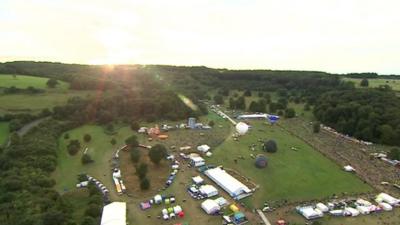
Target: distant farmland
(22, 81)
(394, 84)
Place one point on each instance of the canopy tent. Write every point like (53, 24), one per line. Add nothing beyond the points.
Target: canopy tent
(203, 148)
(210, 206)
(114, 214)
(197, 180)
(309, 212)
(208, 190)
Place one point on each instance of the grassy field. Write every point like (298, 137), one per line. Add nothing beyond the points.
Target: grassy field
(4, 132)
(18, 103)
(99, 148)
(394, 84)
(291, 175)
(21, 81)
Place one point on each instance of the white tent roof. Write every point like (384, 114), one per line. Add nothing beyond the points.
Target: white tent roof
(309, 212)
(197, 159)
(114, 214)
(203, 148)
(227, 182)
(208, 190)
(197, 180)
(388, 199)
(210, 206)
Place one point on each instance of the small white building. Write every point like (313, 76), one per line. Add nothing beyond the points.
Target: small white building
(197, 161)
(197, 180)
(208, 190)
(114, 214)
(210, 206)
(203, 148)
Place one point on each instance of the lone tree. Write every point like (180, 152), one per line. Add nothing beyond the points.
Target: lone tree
(135, 126)
(52, 83)
(73, 147)
(113, 141)
(316, 127)
(290, 113)
(364, 82)
(270, 146)
(157, 153)
(86, 159)
(141, 170)
(135, 155)
(144, 184)
(394, 154)
(87, 137)
(132, 141)
(211, 123)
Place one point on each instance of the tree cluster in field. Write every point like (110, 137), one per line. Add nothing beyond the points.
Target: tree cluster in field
(28, 90)
(367, 114)
(93, 210)
(149, 100)
(27, 195)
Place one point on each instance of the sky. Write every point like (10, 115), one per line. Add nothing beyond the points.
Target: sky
(339, 36)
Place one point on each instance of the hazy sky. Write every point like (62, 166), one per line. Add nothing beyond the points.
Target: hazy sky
(329, 35)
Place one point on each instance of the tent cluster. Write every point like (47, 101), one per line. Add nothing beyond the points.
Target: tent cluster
(199, 190)
(353, 208)
(172, 212)
(157, 200)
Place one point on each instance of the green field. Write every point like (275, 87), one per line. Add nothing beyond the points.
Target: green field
(394, 84)
(22, 81)
(18, 103)
(99, 148)
(4, 132)
(291, 175)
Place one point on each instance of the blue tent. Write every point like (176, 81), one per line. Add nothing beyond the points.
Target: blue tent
(239, 217)
(272, 118)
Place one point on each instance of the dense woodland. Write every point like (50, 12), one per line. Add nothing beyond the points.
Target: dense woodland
(130, 93)
(368, 114)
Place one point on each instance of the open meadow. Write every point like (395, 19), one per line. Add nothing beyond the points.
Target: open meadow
(296, 172)
(22, 81)
(34, 103)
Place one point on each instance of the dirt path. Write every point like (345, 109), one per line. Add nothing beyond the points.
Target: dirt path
(21, 132)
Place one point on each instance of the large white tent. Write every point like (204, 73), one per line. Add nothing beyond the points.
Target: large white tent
(114, 214)
(210, 206)
(227, 182)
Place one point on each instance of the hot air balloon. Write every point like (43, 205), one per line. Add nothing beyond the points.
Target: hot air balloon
(242, 128)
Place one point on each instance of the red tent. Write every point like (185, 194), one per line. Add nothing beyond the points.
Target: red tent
(181, 214)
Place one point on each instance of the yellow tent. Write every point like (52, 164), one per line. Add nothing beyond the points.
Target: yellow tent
(234, 208)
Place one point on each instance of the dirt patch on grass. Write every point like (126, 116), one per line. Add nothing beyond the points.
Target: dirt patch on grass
(157, 174)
